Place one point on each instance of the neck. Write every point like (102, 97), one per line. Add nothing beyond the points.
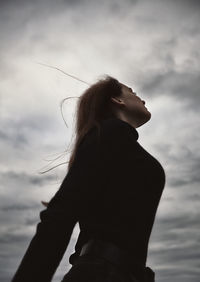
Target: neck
(133, 123)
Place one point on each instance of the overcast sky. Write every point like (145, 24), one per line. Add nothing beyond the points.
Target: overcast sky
(153, 47)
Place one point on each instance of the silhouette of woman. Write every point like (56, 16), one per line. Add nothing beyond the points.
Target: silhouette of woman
(112, 189)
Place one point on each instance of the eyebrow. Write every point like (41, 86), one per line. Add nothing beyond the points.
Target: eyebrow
(131, 90)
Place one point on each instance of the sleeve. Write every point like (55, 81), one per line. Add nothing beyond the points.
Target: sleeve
(57, 221)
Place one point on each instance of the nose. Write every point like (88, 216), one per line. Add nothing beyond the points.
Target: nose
(143, 102)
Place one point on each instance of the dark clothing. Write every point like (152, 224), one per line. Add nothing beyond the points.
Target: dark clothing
(112, 189)
(93, 269)
(116, 264)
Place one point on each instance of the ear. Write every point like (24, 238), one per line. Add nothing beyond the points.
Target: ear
(117, 100)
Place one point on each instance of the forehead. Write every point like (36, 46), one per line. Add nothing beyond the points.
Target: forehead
(126, 88)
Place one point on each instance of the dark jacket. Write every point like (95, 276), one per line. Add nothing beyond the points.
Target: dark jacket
(112, 190)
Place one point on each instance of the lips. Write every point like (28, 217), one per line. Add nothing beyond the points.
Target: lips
(144, 104)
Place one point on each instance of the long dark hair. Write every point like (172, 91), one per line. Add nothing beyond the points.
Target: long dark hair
(93, 106)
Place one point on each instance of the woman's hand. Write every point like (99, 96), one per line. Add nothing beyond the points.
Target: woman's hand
(44, 203)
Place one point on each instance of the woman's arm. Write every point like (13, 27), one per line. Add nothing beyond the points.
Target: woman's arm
(53, 232)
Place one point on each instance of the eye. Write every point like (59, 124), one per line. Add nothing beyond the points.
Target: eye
(134, 93)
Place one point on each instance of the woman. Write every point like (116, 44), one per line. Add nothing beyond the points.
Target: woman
(112, 189)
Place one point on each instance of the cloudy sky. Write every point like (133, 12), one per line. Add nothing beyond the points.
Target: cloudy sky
(152, 46)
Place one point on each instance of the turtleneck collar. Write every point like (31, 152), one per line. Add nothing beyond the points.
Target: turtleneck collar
(133, 130)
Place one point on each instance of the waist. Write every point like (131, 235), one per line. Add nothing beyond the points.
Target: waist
(119, 257)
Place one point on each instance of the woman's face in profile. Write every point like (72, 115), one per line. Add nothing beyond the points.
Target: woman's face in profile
(135, 106)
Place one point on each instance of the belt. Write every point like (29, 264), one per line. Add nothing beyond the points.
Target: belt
(119, 257)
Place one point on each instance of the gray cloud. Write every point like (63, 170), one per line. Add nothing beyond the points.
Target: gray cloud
(152, 45)
(20, 132)
(8, 238)
(15, 140)
(191, 5)
(19, 207)
(24, 178)
(184, 85)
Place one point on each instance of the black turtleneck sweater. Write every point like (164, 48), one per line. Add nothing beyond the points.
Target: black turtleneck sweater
(112, 190)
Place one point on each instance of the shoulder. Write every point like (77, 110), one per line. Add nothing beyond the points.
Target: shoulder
(110, 130)
(107, 127)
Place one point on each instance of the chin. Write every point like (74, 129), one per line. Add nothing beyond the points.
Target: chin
(148, 115)
(146, 118)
